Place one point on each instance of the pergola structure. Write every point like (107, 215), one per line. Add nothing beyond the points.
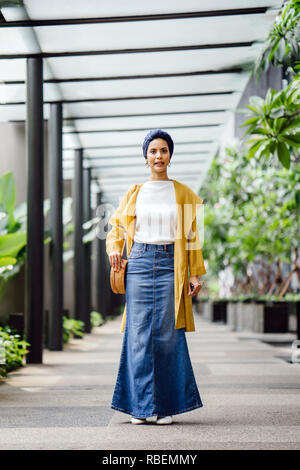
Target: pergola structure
(104, 74)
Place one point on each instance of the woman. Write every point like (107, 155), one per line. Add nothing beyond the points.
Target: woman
(155, 376)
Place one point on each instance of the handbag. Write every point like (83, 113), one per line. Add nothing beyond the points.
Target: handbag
(117, 278)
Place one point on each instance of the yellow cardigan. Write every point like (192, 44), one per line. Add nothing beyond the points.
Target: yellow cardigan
(187, 251)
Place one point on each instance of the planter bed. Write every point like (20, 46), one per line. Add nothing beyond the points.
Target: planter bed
(232, 314)
(263, 316)
(215, 311)
(200, 306)
(16, 322)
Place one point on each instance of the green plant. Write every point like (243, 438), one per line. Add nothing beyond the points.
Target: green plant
(13, 350)
(251, 216)
(282, 47)
(12, 232)
(71, 328)
(275, 124)
(90, 229)
(228, 187)
(243, 297)
(96, 319)
(11, 3)
(275, 121)
(291, 297)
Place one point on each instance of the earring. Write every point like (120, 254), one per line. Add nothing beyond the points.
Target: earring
(169, 164)
(147, 164)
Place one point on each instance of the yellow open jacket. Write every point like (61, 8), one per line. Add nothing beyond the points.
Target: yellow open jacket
(187, 249)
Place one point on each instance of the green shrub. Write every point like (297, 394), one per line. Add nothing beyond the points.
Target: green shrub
(289, 297)
(96, 319)
(292, 297)
(12, 350)
(71, 328)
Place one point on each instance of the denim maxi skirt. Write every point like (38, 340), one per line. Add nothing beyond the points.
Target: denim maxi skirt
(155, 376)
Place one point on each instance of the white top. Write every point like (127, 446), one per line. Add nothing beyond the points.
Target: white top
(156, 213)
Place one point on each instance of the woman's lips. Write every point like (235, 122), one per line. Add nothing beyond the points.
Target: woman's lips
(159, 164)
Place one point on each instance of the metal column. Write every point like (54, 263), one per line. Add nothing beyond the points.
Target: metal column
(79, 277)
(100, 272)
(87, 215)
(55, 342)
(104, 294)
(34, 296)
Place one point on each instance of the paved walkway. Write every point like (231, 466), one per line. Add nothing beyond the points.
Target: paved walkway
(249, 390)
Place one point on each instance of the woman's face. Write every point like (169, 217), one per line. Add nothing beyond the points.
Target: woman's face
(158, 155)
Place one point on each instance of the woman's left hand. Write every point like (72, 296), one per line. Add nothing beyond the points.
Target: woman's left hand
(194, 280)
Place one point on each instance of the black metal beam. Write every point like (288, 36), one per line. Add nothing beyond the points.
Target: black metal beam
(87, 215)
(236, 70)
(117, 194)
(128, 165)
(117, 184)
(130, 98)
(98, 131)
(2, 19)
(55, 341)
(34, 303)
(91, 159)
(79, 278)
(119, 177)
(191, 47)
(133, 77)
(112, 116)
(138, 146)
(135, 18)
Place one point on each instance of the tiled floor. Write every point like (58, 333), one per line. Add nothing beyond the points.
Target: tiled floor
(250, 392)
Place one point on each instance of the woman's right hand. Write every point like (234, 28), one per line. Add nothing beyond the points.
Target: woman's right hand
(115, 261)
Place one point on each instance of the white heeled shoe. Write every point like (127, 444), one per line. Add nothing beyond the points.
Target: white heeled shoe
(138, 420)
(164, 420)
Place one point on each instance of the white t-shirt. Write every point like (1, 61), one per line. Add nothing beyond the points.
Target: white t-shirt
(156, 213)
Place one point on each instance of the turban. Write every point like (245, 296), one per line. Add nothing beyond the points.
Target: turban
(158, 134)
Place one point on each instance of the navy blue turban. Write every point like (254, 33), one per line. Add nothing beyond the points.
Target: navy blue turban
(158, 134)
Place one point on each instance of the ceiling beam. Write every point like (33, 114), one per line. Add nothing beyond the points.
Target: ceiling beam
(123, 185)
(113, 184)
(98, 131)
(123, 189)
(135, 164)
(46, 55)
(133, 18)
(133, 77)
(138, 146)
(112, 157)
(145, 114)
(119, 177)
(112, 116)
(126, 98)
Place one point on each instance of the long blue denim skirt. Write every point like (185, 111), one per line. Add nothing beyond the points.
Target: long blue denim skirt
(155, 376)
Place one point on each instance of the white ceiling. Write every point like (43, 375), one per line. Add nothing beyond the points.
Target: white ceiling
(107, 66)
(94, 8)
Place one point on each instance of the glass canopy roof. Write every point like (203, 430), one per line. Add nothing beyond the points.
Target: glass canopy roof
(123, 68)
(94, 8)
